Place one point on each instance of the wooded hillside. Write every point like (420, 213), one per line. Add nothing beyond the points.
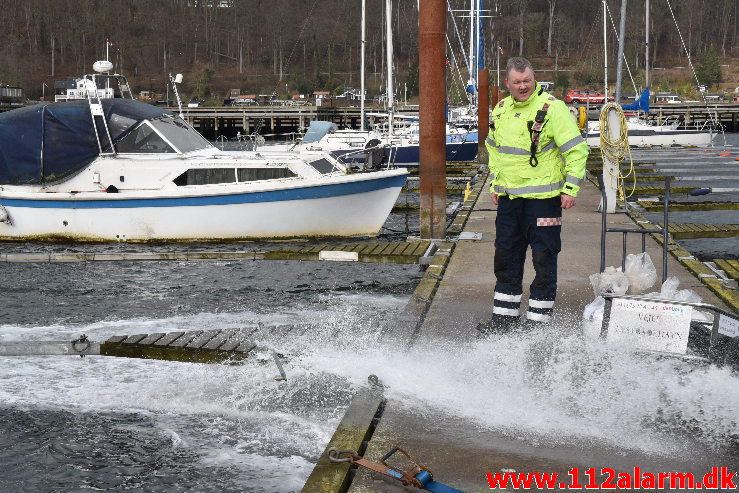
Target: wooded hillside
(298, 46)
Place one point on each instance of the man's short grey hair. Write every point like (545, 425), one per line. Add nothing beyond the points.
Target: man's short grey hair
(519, 64)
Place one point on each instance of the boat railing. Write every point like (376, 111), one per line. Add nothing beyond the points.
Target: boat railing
(374, 157)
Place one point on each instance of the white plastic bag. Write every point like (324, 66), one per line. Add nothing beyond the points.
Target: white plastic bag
(592, 317)
(610, 281)
(641, 272)
(669, 291)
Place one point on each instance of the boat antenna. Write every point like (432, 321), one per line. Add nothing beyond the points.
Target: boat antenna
(177, 80)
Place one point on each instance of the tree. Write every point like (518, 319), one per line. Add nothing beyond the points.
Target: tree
(708, 69)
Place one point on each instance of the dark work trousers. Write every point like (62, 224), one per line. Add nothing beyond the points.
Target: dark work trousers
(521, 223)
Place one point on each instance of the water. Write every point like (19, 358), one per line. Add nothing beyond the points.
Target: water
(71, 424)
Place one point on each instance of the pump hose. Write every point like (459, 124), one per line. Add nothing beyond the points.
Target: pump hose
(616, 149)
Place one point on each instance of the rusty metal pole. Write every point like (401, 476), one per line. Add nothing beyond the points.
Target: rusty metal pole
(483, 114)
(432, 82)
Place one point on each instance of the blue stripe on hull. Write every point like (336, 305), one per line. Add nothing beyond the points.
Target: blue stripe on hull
(314, 192)
(409, 155)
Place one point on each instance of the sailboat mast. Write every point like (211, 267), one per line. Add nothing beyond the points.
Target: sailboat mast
(646, 53)
(361, 71)
(620, 59)
(389, 31)
(605, 47)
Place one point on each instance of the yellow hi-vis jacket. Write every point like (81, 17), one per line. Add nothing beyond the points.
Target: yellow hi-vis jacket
(561, 152)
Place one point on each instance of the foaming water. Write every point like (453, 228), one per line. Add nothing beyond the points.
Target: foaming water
(552, 385)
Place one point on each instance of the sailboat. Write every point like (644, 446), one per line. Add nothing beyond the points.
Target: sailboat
(643, 132)
(398, 140)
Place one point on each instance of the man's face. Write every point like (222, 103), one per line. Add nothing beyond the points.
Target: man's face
(521, 84)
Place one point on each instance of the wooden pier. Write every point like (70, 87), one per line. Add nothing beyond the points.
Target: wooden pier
(403, 252)
(228, 121)
(208, 346)
(691, 231)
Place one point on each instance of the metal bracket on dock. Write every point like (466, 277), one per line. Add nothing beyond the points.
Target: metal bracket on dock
(470, 235)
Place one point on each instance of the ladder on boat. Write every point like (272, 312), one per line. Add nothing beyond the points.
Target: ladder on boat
(98, 115)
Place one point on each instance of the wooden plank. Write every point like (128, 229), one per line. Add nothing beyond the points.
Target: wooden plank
(388, 248)
(169, 338)
(233, 342)
(202, 339)
(134, 339)
(152, 338)
(409, 248)
(185, 339)
(377, 249)
(220, 338)
(366, 248)
(245, 347)
(421, 248)
(399, 247)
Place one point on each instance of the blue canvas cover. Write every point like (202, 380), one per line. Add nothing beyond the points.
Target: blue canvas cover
(641, 104)
(49, 142)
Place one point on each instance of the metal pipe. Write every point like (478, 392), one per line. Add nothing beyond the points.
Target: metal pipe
(389, 43)
(665, 226)
(646, 49)
(432, 146)
(483, 111)
(605, 50)
(361, 71)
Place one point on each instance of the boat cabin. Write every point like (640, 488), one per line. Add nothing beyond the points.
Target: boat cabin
(666, 97)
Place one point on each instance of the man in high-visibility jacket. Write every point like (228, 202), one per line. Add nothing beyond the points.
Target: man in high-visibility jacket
(537, 164)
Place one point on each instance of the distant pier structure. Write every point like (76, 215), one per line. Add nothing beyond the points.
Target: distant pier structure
(226, 121)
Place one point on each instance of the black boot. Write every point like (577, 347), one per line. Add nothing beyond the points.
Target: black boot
(498, 324)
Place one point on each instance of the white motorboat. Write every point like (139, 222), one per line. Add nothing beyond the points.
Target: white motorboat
(122, 170)
(400, 147)
(643, 133)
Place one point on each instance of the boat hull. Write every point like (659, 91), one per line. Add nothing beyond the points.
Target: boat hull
(408, 156)
(352, 207)
(649, 138)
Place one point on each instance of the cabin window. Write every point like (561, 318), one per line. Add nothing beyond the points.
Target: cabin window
(206, 176)
(256, 174)
(180, 134)
(323, 166)
(143, 140)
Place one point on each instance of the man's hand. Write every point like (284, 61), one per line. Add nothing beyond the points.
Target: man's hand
(567, 200)
(494, 196)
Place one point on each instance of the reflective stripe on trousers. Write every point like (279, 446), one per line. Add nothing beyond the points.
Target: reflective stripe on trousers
(507, 304)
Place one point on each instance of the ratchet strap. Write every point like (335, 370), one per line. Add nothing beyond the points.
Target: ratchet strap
(418, 475)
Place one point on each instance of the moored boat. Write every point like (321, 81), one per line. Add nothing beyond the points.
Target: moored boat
(122, 170)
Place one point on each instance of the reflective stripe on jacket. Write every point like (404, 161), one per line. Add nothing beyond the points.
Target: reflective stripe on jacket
(562, 151)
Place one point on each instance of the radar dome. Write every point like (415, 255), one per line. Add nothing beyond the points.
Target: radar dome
(102, 66)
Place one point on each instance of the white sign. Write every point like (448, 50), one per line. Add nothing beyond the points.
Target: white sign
(650, 325)
(728, 326)
(338, 256)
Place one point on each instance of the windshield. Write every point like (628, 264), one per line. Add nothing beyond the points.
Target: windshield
(180, 134)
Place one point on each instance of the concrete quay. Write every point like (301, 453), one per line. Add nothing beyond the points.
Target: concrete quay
(458, 449)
